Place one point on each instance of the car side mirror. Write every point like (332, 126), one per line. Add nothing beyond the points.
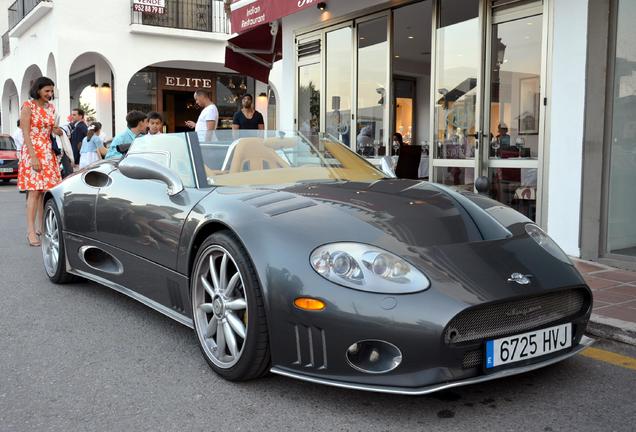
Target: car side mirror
(139, 168)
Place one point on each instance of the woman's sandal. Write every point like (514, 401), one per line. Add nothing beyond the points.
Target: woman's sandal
(35, 243)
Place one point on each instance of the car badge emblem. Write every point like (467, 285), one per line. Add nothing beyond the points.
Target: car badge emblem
(520, 278)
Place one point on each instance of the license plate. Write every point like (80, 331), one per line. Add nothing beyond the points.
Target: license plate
(528, 345)
(6, 169)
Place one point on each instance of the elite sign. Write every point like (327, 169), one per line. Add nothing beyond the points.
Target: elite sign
(247, 14)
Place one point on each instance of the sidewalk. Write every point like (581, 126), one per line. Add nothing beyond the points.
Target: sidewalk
(614, 310)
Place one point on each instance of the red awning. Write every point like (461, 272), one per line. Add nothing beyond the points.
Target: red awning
(259, 41)
(254, 52)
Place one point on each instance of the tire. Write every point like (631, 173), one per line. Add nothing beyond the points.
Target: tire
(53, 251)
(221, 307)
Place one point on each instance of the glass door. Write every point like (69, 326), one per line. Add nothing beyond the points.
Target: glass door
(308, 86)
(513, 107)
(456, 92)
(372, 85)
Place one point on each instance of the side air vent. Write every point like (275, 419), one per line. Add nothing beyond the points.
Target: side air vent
(96, 179)
(99, 260)
(311, 347)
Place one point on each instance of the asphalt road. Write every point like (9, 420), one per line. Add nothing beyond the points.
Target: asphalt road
(80, 357)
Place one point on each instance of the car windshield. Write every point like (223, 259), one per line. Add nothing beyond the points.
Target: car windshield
(243, 158)
(6, 143)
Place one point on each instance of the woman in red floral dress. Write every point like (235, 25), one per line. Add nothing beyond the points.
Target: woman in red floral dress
(39, 168)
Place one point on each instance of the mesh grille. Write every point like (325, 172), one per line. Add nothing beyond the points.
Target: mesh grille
(514, 317)
(472, 359)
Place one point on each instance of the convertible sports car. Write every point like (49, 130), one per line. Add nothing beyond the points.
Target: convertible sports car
(294, 255)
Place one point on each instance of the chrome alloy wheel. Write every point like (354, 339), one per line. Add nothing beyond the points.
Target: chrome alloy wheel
(51, 243)
(220, 307)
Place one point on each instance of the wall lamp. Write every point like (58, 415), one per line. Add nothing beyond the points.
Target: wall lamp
(105, 85)
(94, 85)
(322, 6)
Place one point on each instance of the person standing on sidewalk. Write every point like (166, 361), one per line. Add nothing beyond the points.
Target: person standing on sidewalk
(209, 116)
(80, 129)
(89, 152)
(247, 117)
(39, 170)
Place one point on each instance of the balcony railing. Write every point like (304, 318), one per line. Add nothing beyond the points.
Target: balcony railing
(6, 48)
(202, 15)
(19, 9)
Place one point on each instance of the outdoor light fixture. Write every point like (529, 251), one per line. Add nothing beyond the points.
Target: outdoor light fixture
(105, 85)
(262, 94)
(322, 6)
(94, 85)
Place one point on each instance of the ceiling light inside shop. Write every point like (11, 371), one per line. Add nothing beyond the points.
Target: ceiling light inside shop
(411, 37)
(397, 56)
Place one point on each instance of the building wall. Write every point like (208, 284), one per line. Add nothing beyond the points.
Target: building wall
(107, 32)
(566, 122)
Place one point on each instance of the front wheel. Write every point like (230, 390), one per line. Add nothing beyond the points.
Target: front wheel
(228, 311)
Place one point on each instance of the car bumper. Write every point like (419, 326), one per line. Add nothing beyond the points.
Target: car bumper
(582, 345)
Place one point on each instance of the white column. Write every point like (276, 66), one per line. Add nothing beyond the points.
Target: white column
(63, 88)
(103, 97)
(120, 90)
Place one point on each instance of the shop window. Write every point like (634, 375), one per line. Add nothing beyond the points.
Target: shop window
(142, 92)
(373, 48)
(621, 231)
(230, 88)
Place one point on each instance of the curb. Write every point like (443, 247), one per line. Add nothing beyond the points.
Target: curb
(612, 328)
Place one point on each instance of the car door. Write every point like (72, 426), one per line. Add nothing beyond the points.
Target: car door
(139, 223)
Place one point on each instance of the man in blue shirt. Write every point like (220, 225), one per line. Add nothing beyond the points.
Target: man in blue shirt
(137, 124)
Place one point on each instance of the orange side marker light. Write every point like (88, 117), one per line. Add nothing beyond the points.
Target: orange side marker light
(310, 304)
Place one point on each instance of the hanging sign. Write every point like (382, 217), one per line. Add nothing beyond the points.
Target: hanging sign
(247, 14)
(157, 7)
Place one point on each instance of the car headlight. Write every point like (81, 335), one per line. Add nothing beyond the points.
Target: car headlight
(543, 240)
(367, 268)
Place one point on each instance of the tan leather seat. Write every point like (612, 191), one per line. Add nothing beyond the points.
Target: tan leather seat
(251, 154)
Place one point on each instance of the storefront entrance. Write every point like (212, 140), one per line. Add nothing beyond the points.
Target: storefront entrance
(495, 130)
(179, 107)
(171, 93)
(461, 79)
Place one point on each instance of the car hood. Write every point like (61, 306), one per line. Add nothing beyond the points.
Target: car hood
(414, 213)
(8, 154)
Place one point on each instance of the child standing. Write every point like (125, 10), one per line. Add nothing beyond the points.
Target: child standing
(91, 145)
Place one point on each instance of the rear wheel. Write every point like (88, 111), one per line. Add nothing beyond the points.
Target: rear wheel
(53, 251)
(228, 310)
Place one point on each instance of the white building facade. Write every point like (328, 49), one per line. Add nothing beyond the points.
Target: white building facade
(110, 46)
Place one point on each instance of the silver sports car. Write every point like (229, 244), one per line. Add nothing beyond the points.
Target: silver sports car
(295, 255)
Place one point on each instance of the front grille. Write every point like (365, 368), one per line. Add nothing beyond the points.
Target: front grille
(472, 359)
(494, 320)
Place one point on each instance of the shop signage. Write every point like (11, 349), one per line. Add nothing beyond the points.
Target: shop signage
(150, 6)
(177, 81)
(247, 14)
(184, 80)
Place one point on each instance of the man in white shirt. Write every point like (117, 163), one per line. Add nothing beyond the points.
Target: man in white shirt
(18, 139)
(209, 116)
